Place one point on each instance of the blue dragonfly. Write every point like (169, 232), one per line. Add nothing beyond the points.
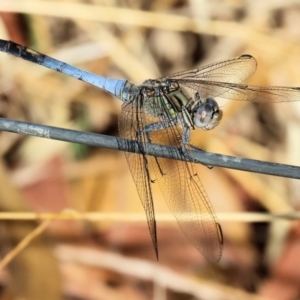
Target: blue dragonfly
(164, 111)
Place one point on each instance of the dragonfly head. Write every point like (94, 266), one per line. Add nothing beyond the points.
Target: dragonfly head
(207, 114)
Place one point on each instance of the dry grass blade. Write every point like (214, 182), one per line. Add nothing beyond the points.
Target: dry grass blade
(152, 19)
(159, 275)
(247, 217)
(23, 244)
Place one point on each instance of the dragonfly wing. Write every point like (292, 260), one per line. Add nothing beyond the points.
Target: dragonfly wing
(130, 122)
(185, 195)
(242, 92)
(180, 186)
(234, 70)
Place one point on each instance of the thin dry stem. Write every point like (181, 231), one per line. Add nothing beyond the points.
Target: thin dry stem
(154, 20)
(24, 243)
(247, 217)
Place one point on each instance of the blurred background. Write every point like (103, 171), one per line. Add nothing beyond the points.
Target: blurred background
(72, 225)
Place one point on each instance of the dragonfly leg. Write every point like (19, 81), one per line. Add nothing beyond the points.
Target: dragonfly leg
(151, 128)
(157, 126)
(185, 145)
(199, 149)
(146, 132)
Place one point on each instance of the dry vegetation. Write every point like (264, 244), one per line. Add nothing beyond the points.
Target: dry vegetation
(102, 250)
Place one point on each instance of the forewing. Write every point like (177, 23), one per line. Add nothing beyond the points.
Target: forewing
(130, 122)
(242, 92)
(234, 70)
(202, 80)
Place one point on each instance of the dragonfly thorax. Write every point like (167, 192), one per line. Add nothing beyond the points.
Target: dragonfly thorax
(167, 99)
(163, 98)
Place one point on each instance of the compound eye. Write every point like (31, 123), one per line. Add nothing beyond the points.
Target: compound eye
(208, 115)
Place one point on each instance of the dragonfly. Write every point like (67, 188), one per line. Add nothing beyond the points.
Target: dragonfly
(164, 111)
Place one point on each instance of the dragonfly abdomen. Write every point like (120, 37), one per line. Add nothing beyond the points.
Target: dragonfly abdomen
(112, 86)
